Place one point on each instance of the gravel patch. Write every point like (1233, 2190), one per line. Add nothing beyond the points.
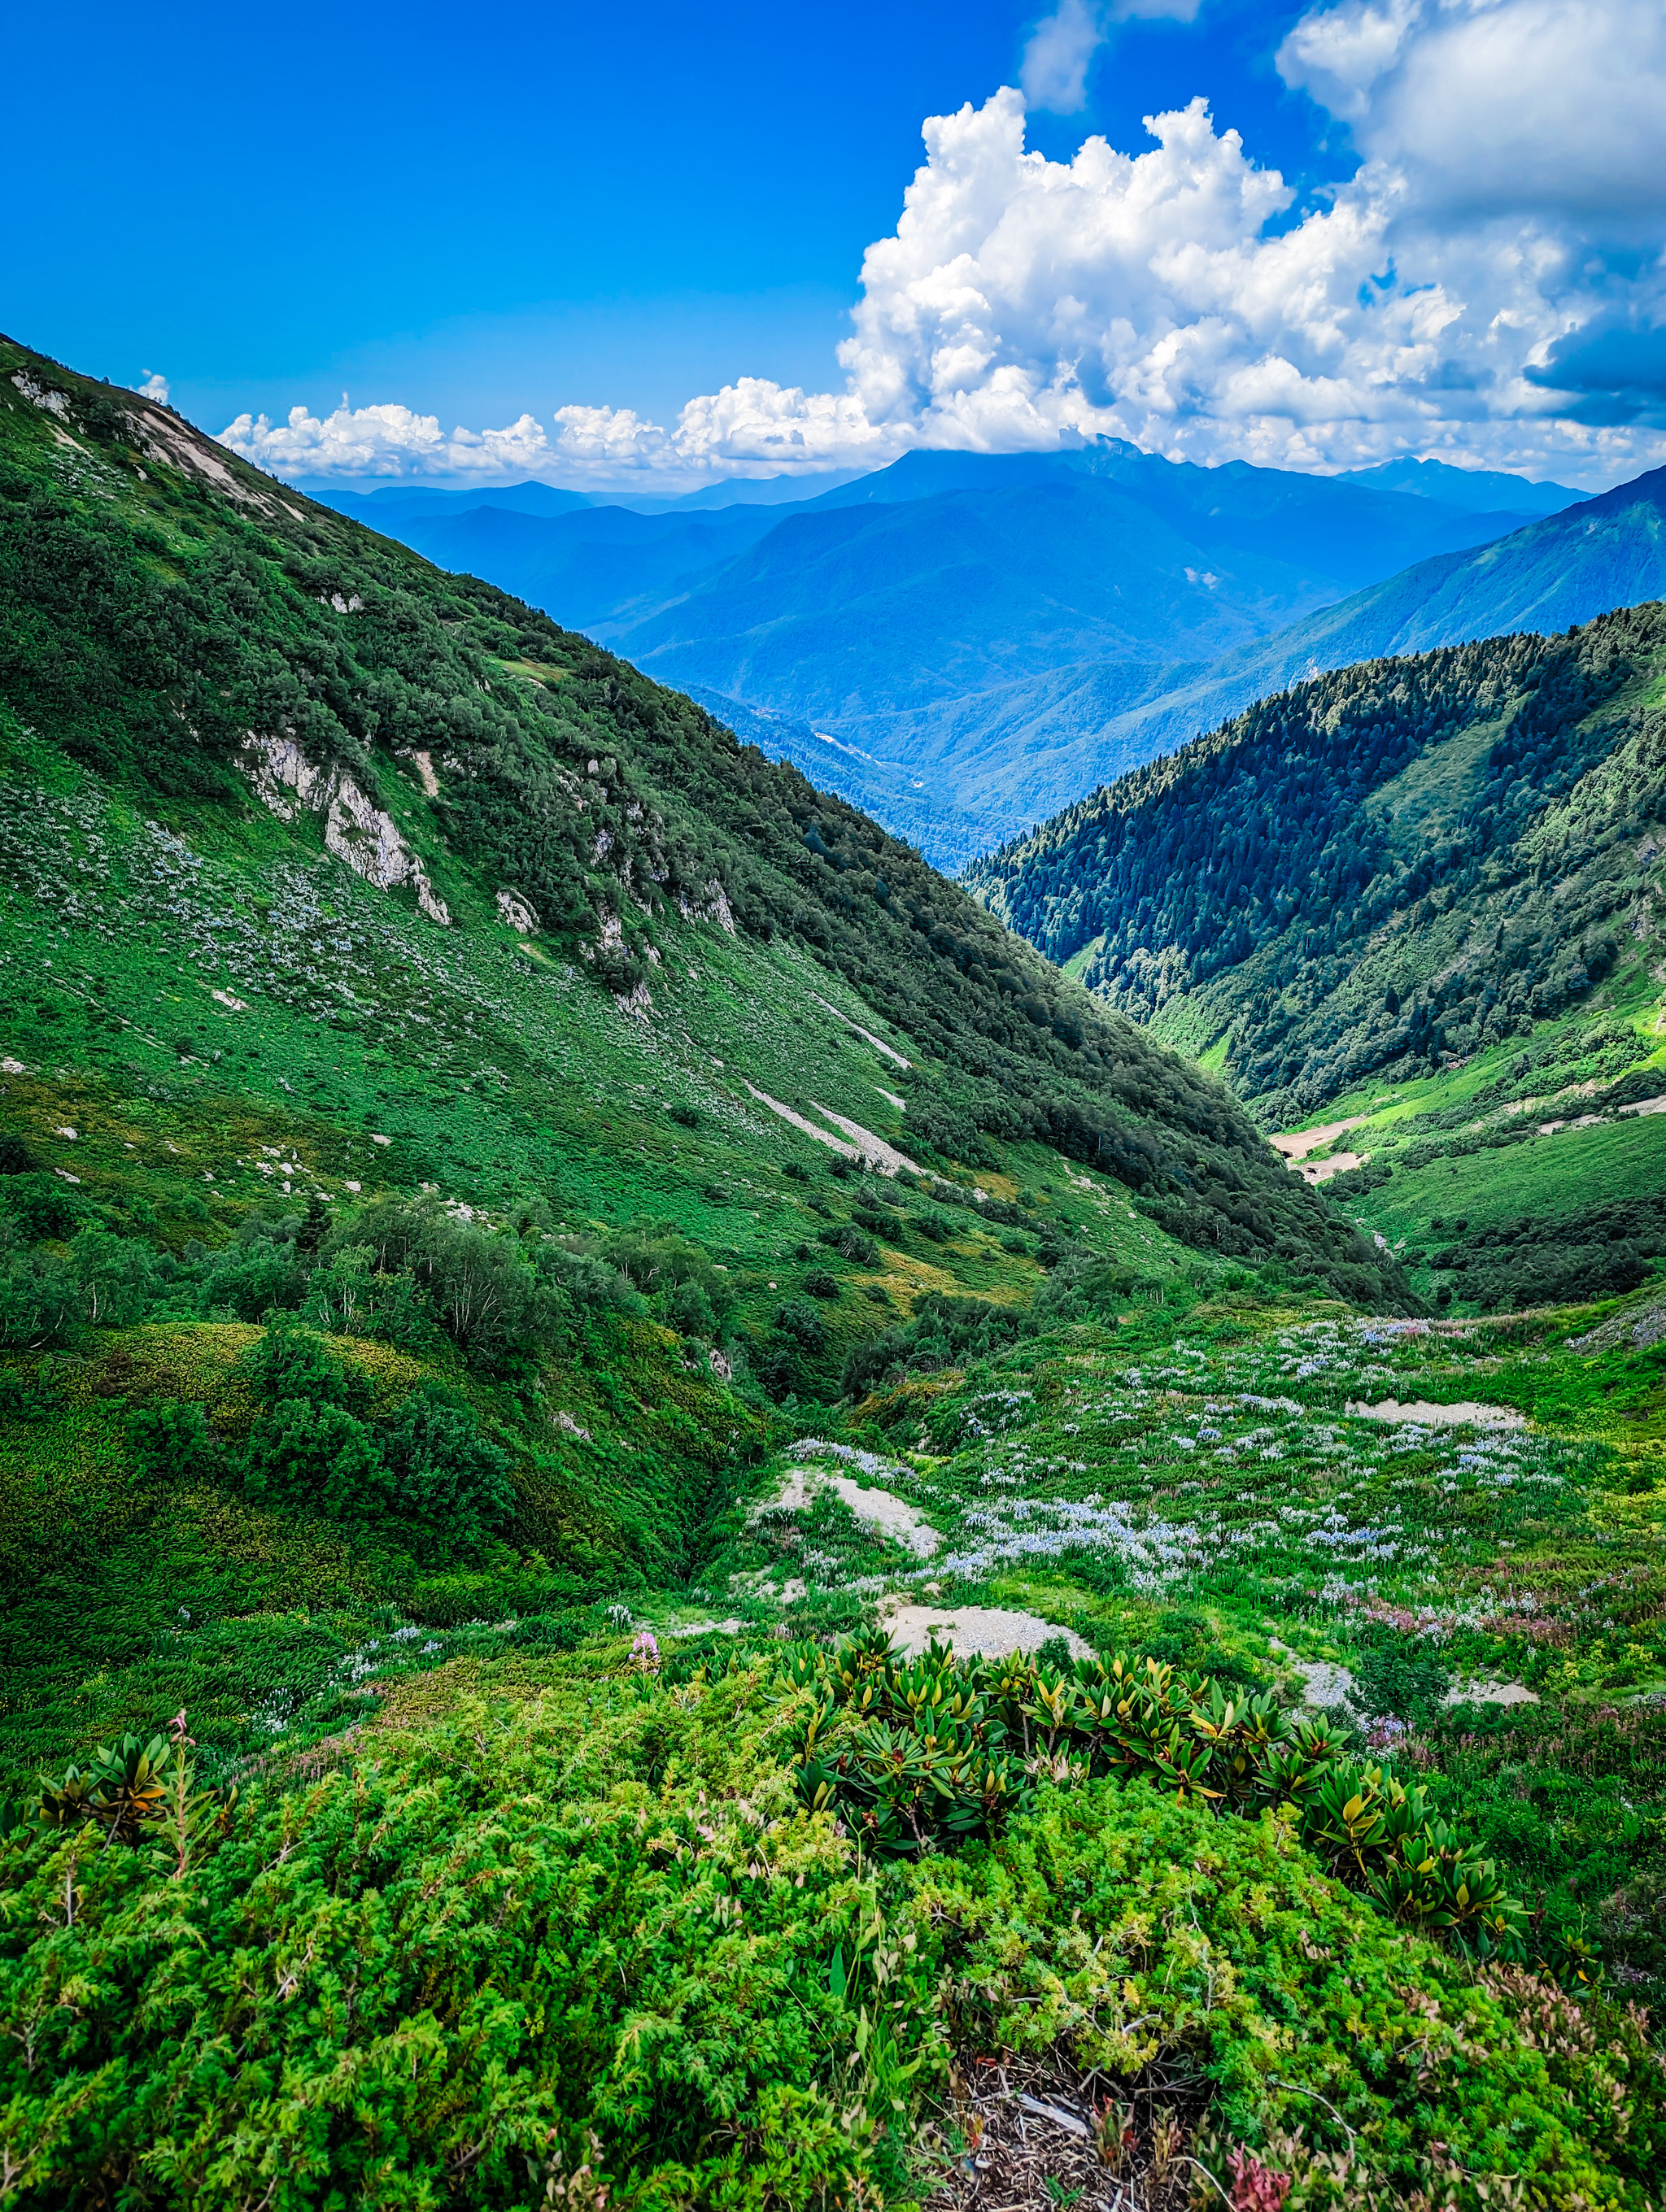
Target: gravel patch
(880, 1509)
(984, 1632)
(1467, 1413)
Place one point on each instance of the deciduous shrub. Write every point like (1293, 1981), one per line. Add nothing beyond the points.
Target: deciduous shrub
(444, 1487)
(39, 1299)
(170, 1442)
(927, 1753)
(851, 1243)
(312, 1457)
(288, 1361)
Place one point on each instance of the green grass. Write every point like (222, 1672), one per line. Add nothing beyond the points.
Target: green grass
(1548, 1176)
(642, 1932)
(1187, 1483)
(489, 1074)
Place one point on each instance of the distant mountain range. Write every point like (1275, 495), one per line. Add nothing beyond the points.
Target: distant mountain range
(963, 641)
(1547, 575)
(1483, 489)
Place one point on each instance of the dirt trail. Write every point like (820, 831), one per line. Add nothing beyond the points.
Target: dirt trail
(1297, 1144)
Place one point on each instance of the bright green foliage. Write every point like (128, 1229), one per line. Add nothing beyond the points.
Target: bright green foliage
(443, 1486)
(170, 1442)
(118, 1278)
(304, 1456)
(933, 1751)
(1431, 846)
(37, 1295)
(582, 1922)
(285, 1361)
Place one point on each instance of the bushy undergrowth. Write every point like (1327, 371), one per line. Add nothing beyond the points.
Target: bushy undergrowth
(579, 1937)
(933, 1751)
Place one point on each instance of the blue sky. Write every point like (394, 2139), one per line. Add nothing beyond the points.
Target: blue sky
(483, 216)
(523, 205)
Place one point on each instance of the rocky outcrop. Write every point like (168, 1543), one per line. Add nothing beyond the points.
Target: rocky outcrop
(356, 830)
(519, 913)
(714, 906)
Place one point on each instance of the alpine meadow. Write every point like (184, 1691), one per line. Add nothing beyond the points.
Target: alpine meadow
(694, 1521)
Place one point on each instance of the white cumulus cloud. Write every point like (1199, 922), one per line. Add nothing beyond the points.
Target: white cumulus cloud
(1483, 280)
(1061, 47)
(1549, 106)
(385, 441)
(155, 386)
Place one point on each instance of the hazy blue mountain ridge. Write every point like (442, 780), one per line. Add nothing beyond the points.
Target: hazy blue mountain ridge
(602, 565)
(1491, 489)
(845, 609)
(985, 637)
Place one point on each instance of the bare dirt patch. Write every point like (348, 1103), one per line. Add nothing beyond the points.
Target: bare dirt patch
(1297, 1144)
(1022, 2137)
(984, 1632)
(880, 1509)
(1467, 1413)
(1490, 1693)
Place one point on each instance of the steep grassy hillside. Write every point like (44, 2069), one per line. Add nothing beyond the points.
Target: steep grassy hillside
(1418, 896)
(202, 642)
(531, 1245)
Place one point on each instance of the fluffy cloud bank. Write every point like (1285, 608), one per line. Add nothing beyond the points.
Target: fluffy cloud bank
(387, 440)
(1486, 282)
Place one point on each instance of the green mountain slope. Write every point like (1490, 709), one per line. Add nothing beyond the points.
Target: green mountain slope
(376, 953)
(177, 625)
(1563, 569)
(512, 1207)
(1386, 872)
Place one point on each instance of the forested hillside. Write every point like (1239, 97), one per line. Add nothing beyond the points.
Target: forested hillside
(935, 617)
(1421, 896)
(185, 630)
(1403, 860)
(673, 1526)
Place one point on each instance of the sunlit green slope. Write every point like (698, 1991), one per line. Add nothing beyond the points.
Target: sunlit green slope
(1421, 897)
(532, 1244)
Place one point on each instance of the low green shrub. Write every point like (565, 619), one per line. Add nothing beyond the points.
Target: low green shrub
(851, 1242)
(307, 1456)
(443, 1486)
(574, 1939)
(169, 1442)
(925, 1754)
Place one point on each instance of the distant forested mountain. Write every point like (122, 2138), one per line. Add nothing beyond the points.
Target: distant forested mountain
(1379, 868)
(1487, 490)
(1563, 569)
(970, 627)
